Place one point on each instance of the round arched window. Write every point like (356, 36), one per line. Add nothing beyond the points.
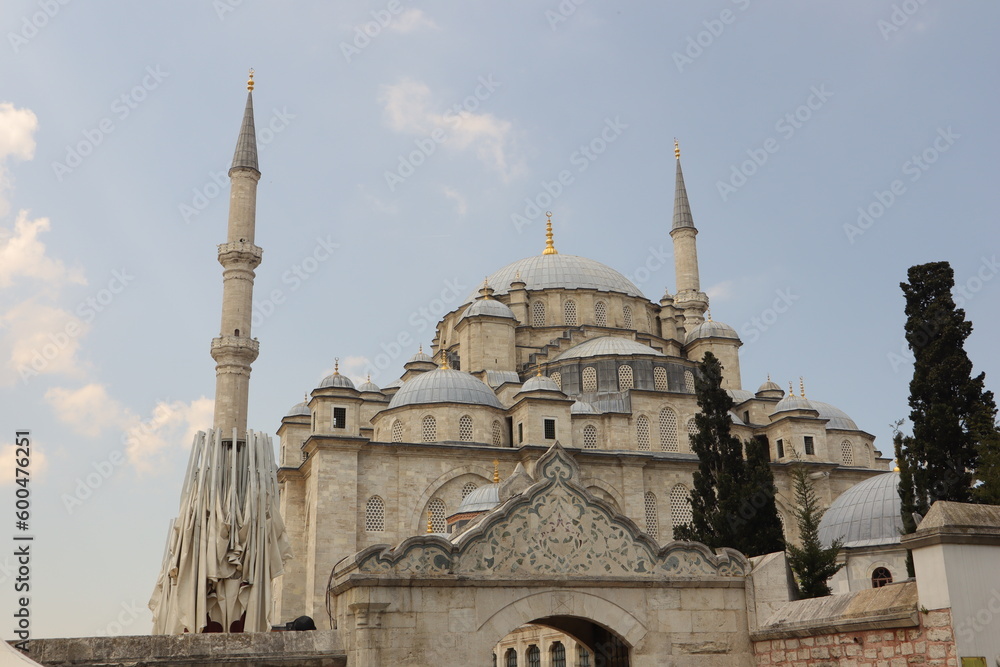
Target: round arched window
(880, 577)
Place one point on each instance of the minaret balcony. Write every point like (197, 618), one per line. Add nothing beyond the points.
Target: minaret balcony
(240, 252)
(238, 346)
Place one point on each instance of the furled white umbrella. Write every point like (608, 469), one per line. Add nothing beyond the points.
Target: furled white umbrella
(227, 543)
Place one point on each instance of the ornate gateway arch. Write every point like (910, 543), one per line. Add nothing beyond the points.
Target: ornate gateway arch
(553, 555)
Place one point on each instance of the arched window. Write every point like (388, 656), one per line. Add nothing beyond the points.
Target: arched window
(557, 378)
(601, 314)
(534, 656)
(569, 313)
(589, 380)
(558, 653)
(465, 428)
(468, 488)
(652, 522)
(689, 382)
(436, 514)
(625, 380)
(428, 429)
(668, 430)
(847, 452)
(582, 656)
(692, 431)
(660, 378)
(680, 506)
(627, 316)
(537, 314)
(590, 437)
(510, 658)
(397, 431)
(642, 433)
(497, 434)
(374, 515)
(880, 577)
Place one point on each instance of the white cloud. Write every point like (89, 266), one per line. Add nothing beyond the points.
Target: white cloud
(410, 109)
(721, 291)
(461, 206)
(17, 129)
(410, 21)
(92, 411)
(23, 255)
(38, 339)
(38, 464)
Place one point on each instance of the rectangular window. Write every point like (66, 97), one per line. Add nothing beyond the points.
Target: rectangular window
(520, 432)
(746, 416)
(781, 449)
(340, 417)
(810, 448)
(550, 429)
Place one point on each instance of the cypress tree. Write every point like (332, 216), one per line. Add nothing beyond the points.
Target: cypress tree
(812, 564)
(732, 504)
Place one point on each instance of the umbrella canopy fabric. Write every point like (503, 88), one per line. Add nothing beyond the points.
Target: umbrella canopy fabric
(227, 543)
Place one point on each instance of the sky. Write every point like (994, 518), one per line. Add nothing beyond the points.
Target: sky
(406, 152)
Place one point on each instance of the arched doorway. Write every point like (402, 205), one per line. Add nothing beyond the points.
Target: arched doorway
(561, 641)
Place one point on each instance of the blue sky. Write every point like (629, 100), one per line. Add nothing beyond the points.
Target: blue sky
(118, 122)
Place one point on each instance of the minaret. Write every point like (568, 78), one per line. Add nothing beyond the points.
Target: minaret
(689, 298)
(234, 350)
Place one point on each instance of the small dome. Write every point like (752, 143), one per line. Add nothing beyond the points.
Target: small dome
(866, 515)
(336, 380)
(838, 418)
(445, 385)
(770, 386)
(299, 409)
(608, 346)
(561, 271)
(540, 383)
(711, 329)
(482, 499)
(421, 356)
(490, 307)
(581, 408)
(792, 402)
(369, 386)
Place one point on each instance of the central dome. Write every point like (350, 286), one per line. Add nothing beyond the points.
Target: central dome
(560, 271)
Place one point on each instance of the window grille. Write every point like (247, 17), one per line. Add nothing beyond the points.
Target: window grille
(557, 378)
(340, 417)
(550, 429)
(589, 380)
(692, 431)
(590, 437)
(680, 506)
(468, 488)
(465, 428)
(847, 452)
(880, 577)
(537, 314)
(642, 433)
(660, 378)
(558, 652)
(689, 382)
(601, 314)
(652, 522)
(428, 429)
(627, 316)
(437, 513)
(625, 379)
(569, 313)
(497, 434)
(534, 656)
(582, 656)
(511, 658)
(397, 431)
(668, 430)
(375, 515)
(810, 447)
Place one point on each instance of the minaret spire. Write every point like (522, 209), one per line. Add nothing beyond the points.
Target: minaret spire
(689, 298)
(235, 350)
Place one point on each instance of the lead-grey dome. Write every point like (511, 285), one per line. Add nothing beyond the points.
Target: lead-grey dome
(711, 329)
(336, 380)
(838, 418)
(369, 386)
(769, 386)
(561, 271)
(866, 515)
(793, 402)
(607, 345)
(490, 307)
(482, 499)
(421, 356)
(540, 383)
(445, 385)
(299, 409)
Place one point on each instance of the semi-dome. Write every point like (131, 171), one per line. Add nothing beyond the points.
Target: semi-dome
(838, 418)
(299, 410)
(866, 515)
(490, 307)
(336, 380)
(607, 345)
(582, 408)
(482, 499)
(711, 329)
(445, 385)
(540, 383)
(561, 272)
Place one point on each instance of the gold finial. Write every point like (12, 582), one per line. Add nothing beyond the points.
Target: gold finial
(336, 365)
(550, 249)
(305, 397)
(896, 469)
(802, 387)
(539, 370)
(420, 348)
(677, 149)
(708, 315)
(517, 275)
(369, 378)
(791, 389)
(250, 81)
(496, 471)
(444, 359)
(430, 522)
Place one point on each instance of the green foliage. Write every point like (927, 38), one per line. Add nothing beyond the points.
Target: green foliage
(812, 564)
(955, 438)
(732, 504)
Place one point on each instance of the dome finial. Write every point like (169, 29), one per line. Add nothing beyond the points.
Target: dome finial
(791, 389)
(496, 471)
(768, 377)
(677, 149)
(250, 81)
(802, 387)
(550, 248)
(336, 365)
(420, 348)
(708, 315)
(430, 522)
(444, 359)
